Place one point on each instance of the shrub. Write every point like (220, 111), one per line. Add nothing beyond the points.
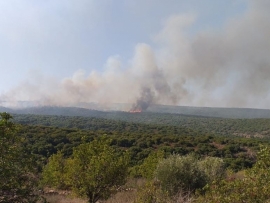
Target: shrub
(151, 192)
(149, 164)
(254, 186)
(213, 168)
(180, 173)
(54, 172)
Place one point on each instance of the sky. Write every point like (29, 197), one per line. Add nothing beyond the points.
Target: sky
(177, 52)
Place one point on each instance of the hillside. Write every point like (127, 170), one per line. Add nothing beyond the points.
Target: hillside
(256, 127)
(212, 111)
(236, 141)
(92, 110)
(63, 133)
(143, 132)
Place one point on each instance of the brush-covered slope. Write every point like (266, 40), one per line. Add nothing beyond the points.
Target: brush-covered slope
(184, 110)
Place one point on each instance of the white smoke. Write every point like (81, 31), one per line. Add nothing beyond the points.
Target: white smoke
(229, 67)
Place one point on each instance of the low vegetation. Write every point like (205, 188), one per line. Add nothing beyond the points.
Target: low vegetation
(140, 139)
(252, 186)
(99, 162)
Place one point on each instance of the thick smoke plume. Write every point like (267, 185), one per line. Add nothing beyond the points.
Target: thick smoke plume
(227, 67)
(144, 101)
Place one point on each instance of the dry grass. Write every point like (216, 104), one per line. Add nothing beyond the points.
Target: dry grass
(183, 197)
(128, 194)
(57, 198)
(122, 197)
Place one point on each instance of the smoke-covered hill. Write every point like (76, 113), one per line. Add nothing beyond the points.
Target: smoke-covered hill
(212, 112)
(183, 110)
(250, 122)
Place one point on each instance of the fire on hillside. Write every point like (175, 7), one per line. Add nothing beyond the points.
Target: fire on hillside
(139, 110)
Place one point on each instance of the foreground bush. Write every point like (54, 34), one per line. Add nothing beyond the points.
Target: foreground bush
(54, 173)
(94, 171)
(213, 168)
(180, 173)
(149, 164)
(254, 186)
(151, 192)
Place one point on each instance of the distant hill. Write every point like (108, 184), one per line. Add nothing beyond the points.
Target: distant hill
(54, 110)
(183, 110)
(4, 109)
(222, 121)
(212, 112)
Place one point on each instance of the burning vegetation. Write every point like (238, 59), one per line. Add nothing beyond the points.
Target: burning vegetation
(143, 102)
(135, 110)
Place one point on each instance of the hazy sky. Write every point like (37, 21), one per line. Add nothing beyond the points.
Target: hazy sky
(183, 52)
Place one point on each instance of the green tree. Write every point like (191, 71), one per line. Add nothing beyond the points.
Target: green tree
(96, 170)
(18, 180)
(54, 172)
(149, 164)
(180, 173)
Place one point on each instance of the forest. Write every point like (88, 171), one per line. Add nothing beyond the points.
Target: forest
(147, 157)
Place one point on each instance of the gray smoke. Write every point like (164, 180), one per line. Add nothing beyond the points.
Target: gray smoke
(145, 100)
(228, 67)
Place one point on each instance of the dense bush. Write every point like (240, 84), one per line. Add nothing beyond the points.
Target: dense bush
(252, 186)
(180, 173)
(213, 168)
(147, 169)
(150, 192)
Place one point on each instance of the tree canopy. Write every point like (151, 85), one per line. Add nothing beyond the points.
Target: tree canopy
(16, 169)
(94, 171)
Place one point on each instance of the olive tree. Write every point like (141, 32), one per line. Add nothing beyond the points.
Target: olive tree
(177, 173)
(96, 170)
(213, 168)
